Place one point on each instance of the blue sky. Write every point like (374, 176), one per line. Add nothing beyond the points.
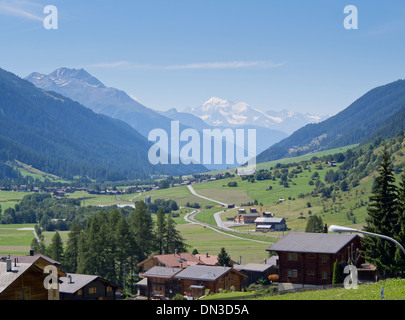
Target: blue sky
(273, 55)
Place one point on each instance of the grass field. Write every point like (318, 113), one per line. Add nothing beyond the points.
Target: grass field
(206, 240)
(394, 289)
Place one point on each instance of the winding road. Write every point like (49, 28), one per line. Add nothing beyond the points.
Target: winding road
(190, 217)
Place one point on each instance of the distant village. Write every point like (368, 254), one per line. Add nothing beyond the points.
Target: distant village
(62, 191)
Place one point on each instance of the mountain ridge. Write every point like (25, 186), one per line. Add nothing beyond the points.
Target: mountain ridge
(355, 124)
(60, 136)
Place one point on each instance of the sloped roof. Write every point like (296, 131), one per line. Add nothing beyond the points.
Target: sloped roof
(207, 259)
(20, 264)
(175, 260)
(30, 259)
(7, 278)
(269, 220)
(312, 242)
(256, 267)
(161, 272)
(78, 282)
(202, 273)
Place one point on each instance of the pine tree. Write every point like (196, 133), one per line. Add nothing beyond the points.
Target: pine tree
(72, 248)
(314, 225)
(160, 229)
(55, 250)
(125, 248)
(224, 259)
(173, 239)
(382, 219)
(141, 224)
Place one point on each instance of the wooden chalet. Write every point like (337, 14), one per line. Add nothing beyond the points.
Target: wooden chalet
(22, 277)
(196, 279)
(87, 287)
(256, 271)
(270, 224)
(308, 258)
(160, 283)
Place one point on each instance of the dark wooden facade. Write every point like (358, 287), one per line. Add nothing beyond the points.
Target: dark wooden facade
(161, 287)
(28, 286)
(311, 268)
(96, 288)
(196, 288)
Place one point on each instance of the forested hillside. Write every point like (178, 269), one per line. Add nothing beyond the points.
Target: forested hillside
(59, 136)
(377, 113)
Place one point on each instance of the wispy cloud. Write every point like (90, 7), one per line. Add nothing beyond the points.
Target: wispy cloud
(22, 9)
(192, 66)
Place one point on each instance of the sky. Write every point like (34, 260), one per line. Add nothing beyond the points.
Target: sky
(272, 54)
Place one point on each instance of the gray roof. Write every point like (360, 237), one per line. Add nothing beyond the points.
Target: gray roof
(257, 267)
(78, 282)
(270, 220)
(161, 272)
(7, 278)
(312, 242)
(202, 273)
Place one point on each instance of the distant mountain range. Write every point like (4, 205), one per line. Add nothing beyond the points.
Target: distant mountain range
(378, 113)
(225, 113)
(81, 86)
(279, 134)
(60, 136)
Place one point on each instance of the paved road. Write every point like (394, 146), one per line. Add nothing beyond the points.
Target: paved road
(221, 226)
(197, 195)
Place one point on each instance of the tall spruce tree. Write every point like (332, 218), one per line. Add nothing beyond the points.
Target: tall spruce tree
(383, 219)
(224, 259)
(72, 248)
(125, 249)
(142, 225)
(55, 250)
(173, 239)
(160, 229)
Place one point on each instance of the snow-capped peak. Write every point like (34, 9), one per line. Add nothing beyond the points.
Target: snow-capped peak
(214, 104)
(221, 112)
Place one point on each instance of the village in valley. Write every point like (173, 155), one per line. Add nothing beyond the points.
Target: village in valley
(276, 253)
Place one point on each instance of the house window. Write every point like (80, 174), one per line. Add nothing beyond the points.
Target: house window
(324, 258)
(311, 256)
(311, 272)
(80, 292)
(292, 256)
(109, 289)
(324, 275)
(292, 273)
(92, 290)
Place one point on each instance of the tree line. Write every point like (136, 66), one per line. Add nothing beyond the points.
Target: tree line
(111, 243)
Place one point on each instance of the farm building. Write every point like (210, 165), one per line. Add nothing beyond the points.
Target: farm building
(270, 224)
(247, 218)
